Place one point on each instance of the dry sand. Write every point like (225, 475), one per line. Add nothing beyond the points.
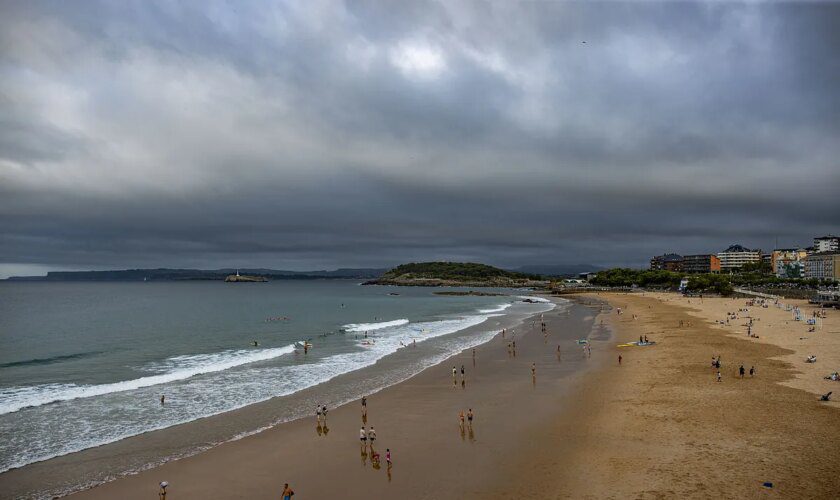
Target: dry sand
(660, 426)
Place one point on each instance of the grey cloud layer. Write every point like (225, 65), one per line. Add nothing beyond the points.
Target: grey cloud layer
(324, 134)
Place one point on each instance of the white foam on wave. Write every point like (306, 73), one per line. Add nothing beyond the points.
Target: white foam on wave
(367, 327)
(497, 309)
(178, 368)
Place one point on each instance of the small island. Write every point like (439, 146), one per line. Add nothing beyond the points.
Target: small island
(237, 278)
(456, 274)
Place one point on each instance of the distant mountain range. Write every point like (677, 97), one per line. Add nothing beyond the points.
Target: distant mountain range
(164, 274)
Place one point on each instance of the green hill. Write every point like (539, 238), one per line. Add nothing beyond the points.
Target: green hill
(452, 273)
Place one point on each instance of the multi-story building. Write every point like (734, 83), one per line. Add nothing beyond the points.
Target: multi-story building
(736, 256)
(788, 262)
(667, 262)
(828, 243)
(823, 265)
(708, 263)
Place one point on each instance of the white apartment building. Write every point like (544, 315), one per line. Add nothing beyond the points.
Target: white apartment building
(826, 244)
(736, 256)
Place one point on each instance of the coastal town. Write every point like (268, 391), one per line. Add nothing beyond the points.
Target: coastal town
(819, 261)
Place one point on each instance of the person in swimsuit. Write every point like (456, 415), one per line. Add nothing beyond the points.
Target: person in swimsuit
(388, 456)
(318, 413)
(287, 492)
(371, 437)
(162, 399)
(470, 417)
(363, 437)
(162, 492)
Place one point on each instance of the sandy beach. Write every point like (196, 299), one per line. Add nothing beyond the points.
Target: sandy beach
(658, 425)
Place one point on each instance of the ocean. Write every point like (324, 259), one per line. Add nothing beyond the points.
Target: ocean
(83, 365)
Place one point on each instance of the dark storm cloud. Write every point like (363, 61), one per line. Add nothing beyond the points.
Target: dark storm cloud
(308, 135)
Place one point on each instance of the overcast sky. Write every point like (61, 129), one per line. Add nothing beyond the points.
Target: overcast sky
(310, 135)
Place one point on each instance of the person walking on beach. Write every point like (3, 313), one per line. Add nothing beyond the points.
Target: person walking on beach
(619, 359)
(741, 371)
(469, 417)
(752, 371)
(371, 437)
(363, 437)
(461, 420)
(463, 375)
(388, 456)
(718, 376)
(454, 375)
(162, 491)
(318, 413)
(288, 493)
(533, 370)
(324, 413)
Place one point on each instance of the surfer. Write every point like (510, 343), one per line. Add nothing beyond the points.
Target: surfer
(306, 347)
(256, 343)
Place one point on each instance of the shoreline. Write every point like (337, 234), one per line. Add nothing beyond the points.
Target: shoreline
(657, 425)
(15, 479)
(421, 408)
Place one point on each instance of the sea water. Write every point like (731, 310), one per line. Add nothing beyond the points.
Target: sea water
(85, 364)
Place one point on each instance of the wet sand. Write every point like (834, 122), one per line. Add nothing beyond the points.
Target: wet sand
(417, 419)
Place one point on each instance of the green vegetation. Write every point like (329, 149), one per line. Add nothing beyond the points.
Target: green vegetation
(715, 283)
(722, 284)
(622, 277)
(452, 271)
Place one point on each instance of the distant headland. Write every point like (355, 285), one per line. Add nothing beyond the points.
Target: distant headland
(167, 274)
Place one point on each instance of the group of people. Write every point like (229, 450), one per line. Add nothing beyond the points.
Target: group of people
(367, 438)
